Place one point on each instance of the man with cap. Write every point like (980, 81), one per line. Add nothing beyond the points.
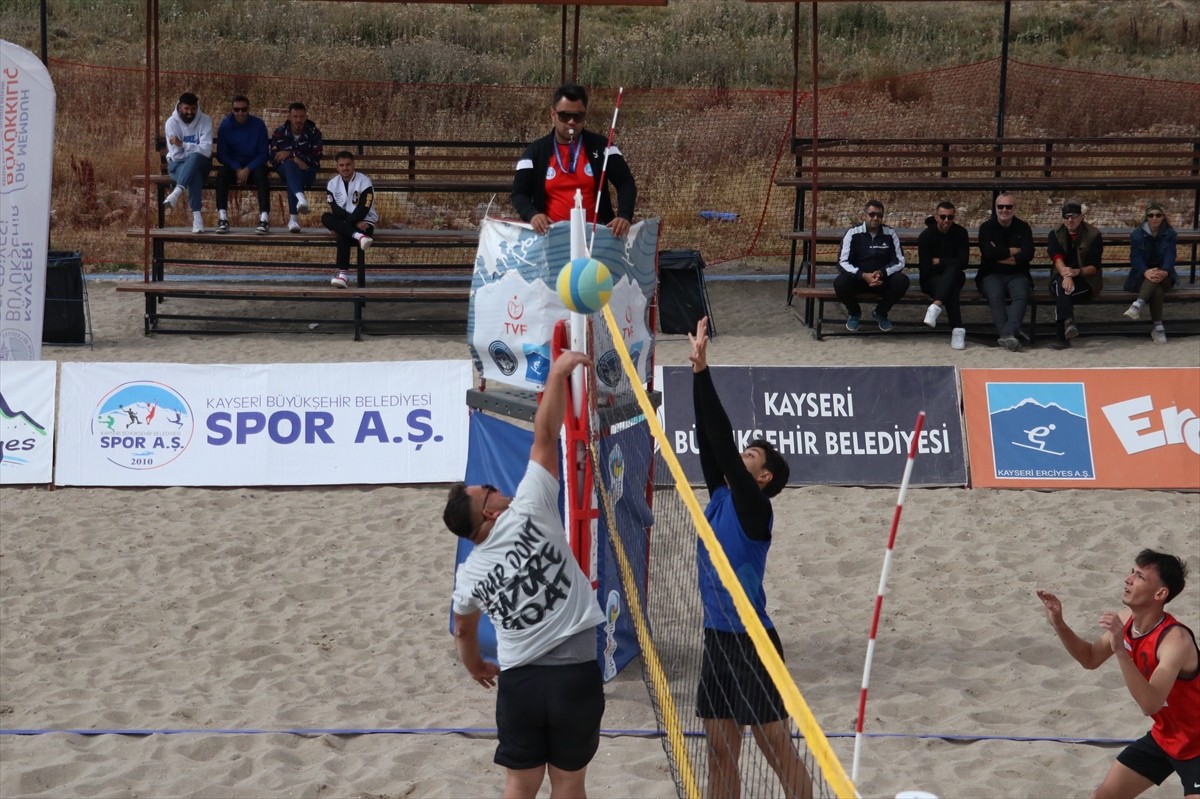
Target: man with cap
(567, 159)
(1152, 267)
(1076, 248)
(189, 133)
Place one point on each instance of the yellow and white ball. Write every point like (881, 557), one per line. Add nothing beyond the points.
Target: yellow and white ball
(584, 285)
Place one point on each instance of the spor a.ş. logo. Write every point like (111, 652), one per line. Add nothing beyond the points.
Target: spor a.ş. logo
(142, 425)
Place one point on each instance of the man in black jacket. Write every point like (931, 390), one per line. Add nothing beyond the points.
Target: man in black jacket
(1005, 250)
(569, 158)
(870, 260)
(943, 250)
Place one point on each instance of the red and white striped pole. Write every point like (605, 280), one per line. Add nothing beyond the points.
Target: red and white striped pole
(612, 132)
(887, 562)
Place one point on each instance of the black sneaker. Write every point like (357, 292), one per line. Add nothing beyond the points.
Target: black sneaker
(222, 225)
(262, 228)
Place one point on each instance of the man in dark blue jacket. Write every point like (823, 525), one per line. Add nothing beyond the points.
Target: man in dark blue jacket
(871, 260)
(242, 151)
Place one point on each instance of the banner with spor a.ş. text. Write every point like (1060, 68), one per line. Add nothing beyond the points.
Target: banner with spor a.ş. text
(27, 422)
(1083, 428)
(136, 424)
(26, 169)
(834, 425)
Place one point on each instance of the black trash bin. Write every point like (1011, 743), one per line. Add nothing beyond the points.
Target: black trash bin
(682, 295)
(64, 317)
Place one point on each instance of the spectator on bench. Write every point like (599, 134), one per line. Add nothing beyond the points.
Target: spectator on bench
(1005, 250)
(1152, 267)
(242, 151)
(1076, 248)
(570, 158)
(189, 154)
(351, 215)
(871, 260)
(943, 251)
(296, 148)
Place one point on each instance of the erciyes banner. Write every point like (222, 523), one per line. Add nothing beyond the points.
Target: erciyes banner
(141, 424)
(27, 421)
(835, 425)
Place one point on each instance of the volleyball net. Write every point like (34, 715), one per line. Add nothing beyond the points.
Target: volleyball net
(655, 528)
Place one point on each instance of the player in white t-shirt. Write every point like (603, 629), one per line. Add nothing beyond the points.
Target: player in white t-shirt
(524, 576)
(351, 214)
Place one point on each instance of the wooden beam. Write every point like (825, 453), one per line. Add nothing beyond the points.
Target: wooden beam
(658, 3)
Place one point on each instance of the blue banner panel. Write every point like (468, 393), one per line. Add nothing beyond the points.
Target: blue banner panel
(835, 425)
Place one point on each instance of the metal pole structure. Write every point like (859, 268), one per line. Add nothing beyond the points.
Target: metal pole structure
(562, 48)
(575, 50)
(1003, 91)
(148, 141)
(812, 226)
(45, 45)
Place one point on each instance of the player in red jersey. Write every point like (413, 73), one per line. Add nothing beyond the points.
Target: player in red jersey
(1161, 667)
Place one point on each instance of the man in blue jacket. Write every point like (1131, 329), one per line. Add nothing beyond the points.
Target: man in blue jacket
(870, 261)
(242, 151)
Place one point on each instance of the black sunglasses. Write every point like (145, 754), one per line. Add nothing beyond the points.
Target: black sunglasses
(241, 109)
(570, 116)
(946, 217)
(1000, 207)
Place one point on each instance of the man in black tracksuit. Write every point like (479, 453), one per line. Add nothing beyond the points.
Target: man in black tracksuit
(943, 250)
(569, 158)
(870, 260)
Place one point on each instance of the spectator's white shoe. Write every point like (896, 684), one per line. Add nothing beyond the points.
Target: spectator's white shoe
(172, 198)
(1134, 312)
(365, 242)
(301, 204)
(340, 281)
(958, 338)
(293, 226)
(931, 316)
(198, 227)
(1158, 335)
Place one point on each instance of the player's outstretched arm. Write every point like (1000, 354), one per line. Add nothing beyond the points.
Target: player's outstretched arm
(548, 420)
(1090, 655)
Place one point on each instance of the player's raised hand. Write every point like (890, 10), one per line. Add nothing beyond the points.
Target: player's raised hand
(1052, 605)
(699, 342)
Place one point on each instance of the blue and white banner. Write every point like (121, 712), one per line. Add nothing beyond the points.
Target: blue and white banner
(515, 305)
(27, 421)
(135, 424)
(26, 170)
(835, 425)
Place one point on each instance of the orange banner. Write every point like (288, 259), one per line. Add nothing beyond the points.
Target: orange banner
(1083, 428)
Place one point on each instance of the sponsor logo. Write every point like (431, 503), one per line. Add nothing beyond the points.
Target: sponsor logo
(608, 369)
(550, 173)
(503, 357)
(1040, 431)
(537, 362)
(142, 425)
(20, 434)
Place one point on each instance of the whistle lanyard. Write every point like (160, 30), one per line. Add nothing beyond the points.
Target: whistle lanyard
(573, 151)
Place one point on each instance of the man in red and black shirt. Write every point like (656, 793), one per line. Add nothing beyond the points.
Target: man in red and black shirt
(1161, 667)
(553, 167)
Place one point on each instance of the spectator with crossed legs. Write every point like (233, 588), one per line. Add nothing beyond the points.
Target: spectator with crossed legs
(1152, 267)
(296, 148)
(351, 216)
(735, 689)
(943, 251)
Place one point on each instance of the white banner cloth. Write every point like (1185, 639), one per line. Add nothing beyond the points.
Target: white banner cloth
(27, 421)
(140, 424)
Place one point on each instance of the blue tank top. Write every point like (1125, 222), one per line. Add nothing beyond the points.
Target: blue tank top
(748, 558)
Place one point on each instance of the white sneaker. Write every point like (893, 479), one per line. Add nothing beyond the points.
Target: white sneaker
(301, 204)
(198, 227)
(293, 226)
(958, 338)
(365, 242)
(1158, 336)
(931, 316)
(1134, 312)
(340, 281)
(172, 198)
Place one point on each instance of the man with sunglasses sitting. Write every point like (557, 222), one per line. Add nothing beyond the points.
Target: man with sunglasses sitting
(1076, 248)
(550, 699)
(943, 250)
(870, 260)
(1005, 250)
(569, 158)
(242, 151)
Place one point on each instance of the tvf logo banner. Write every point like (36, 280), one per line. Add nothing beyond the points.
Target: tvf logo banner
(27, 421)
(276, 424)
(1083, 428)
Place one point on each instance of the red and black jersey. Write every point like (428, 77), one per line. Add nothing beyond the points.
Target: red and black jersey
(1177, 724)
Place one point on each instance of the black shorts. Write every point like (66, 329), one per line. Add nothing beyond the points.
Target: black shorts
(734, 684)
(549, 714)
(1147, 758)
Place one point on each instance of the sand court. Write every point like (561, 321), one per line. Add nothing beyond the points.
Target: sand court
(217, 611)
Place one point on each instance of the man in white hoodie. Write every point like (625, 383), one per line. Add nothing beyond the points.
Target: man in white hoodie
(189, 154)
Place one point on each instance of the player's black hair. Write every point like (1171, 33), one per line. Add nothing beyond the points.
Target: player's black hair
(774, 463)
(1171, 570)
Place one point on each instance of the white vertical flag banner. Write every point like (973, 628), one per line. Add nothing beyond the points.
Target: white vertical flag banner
(26, 170)
(27, 422)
